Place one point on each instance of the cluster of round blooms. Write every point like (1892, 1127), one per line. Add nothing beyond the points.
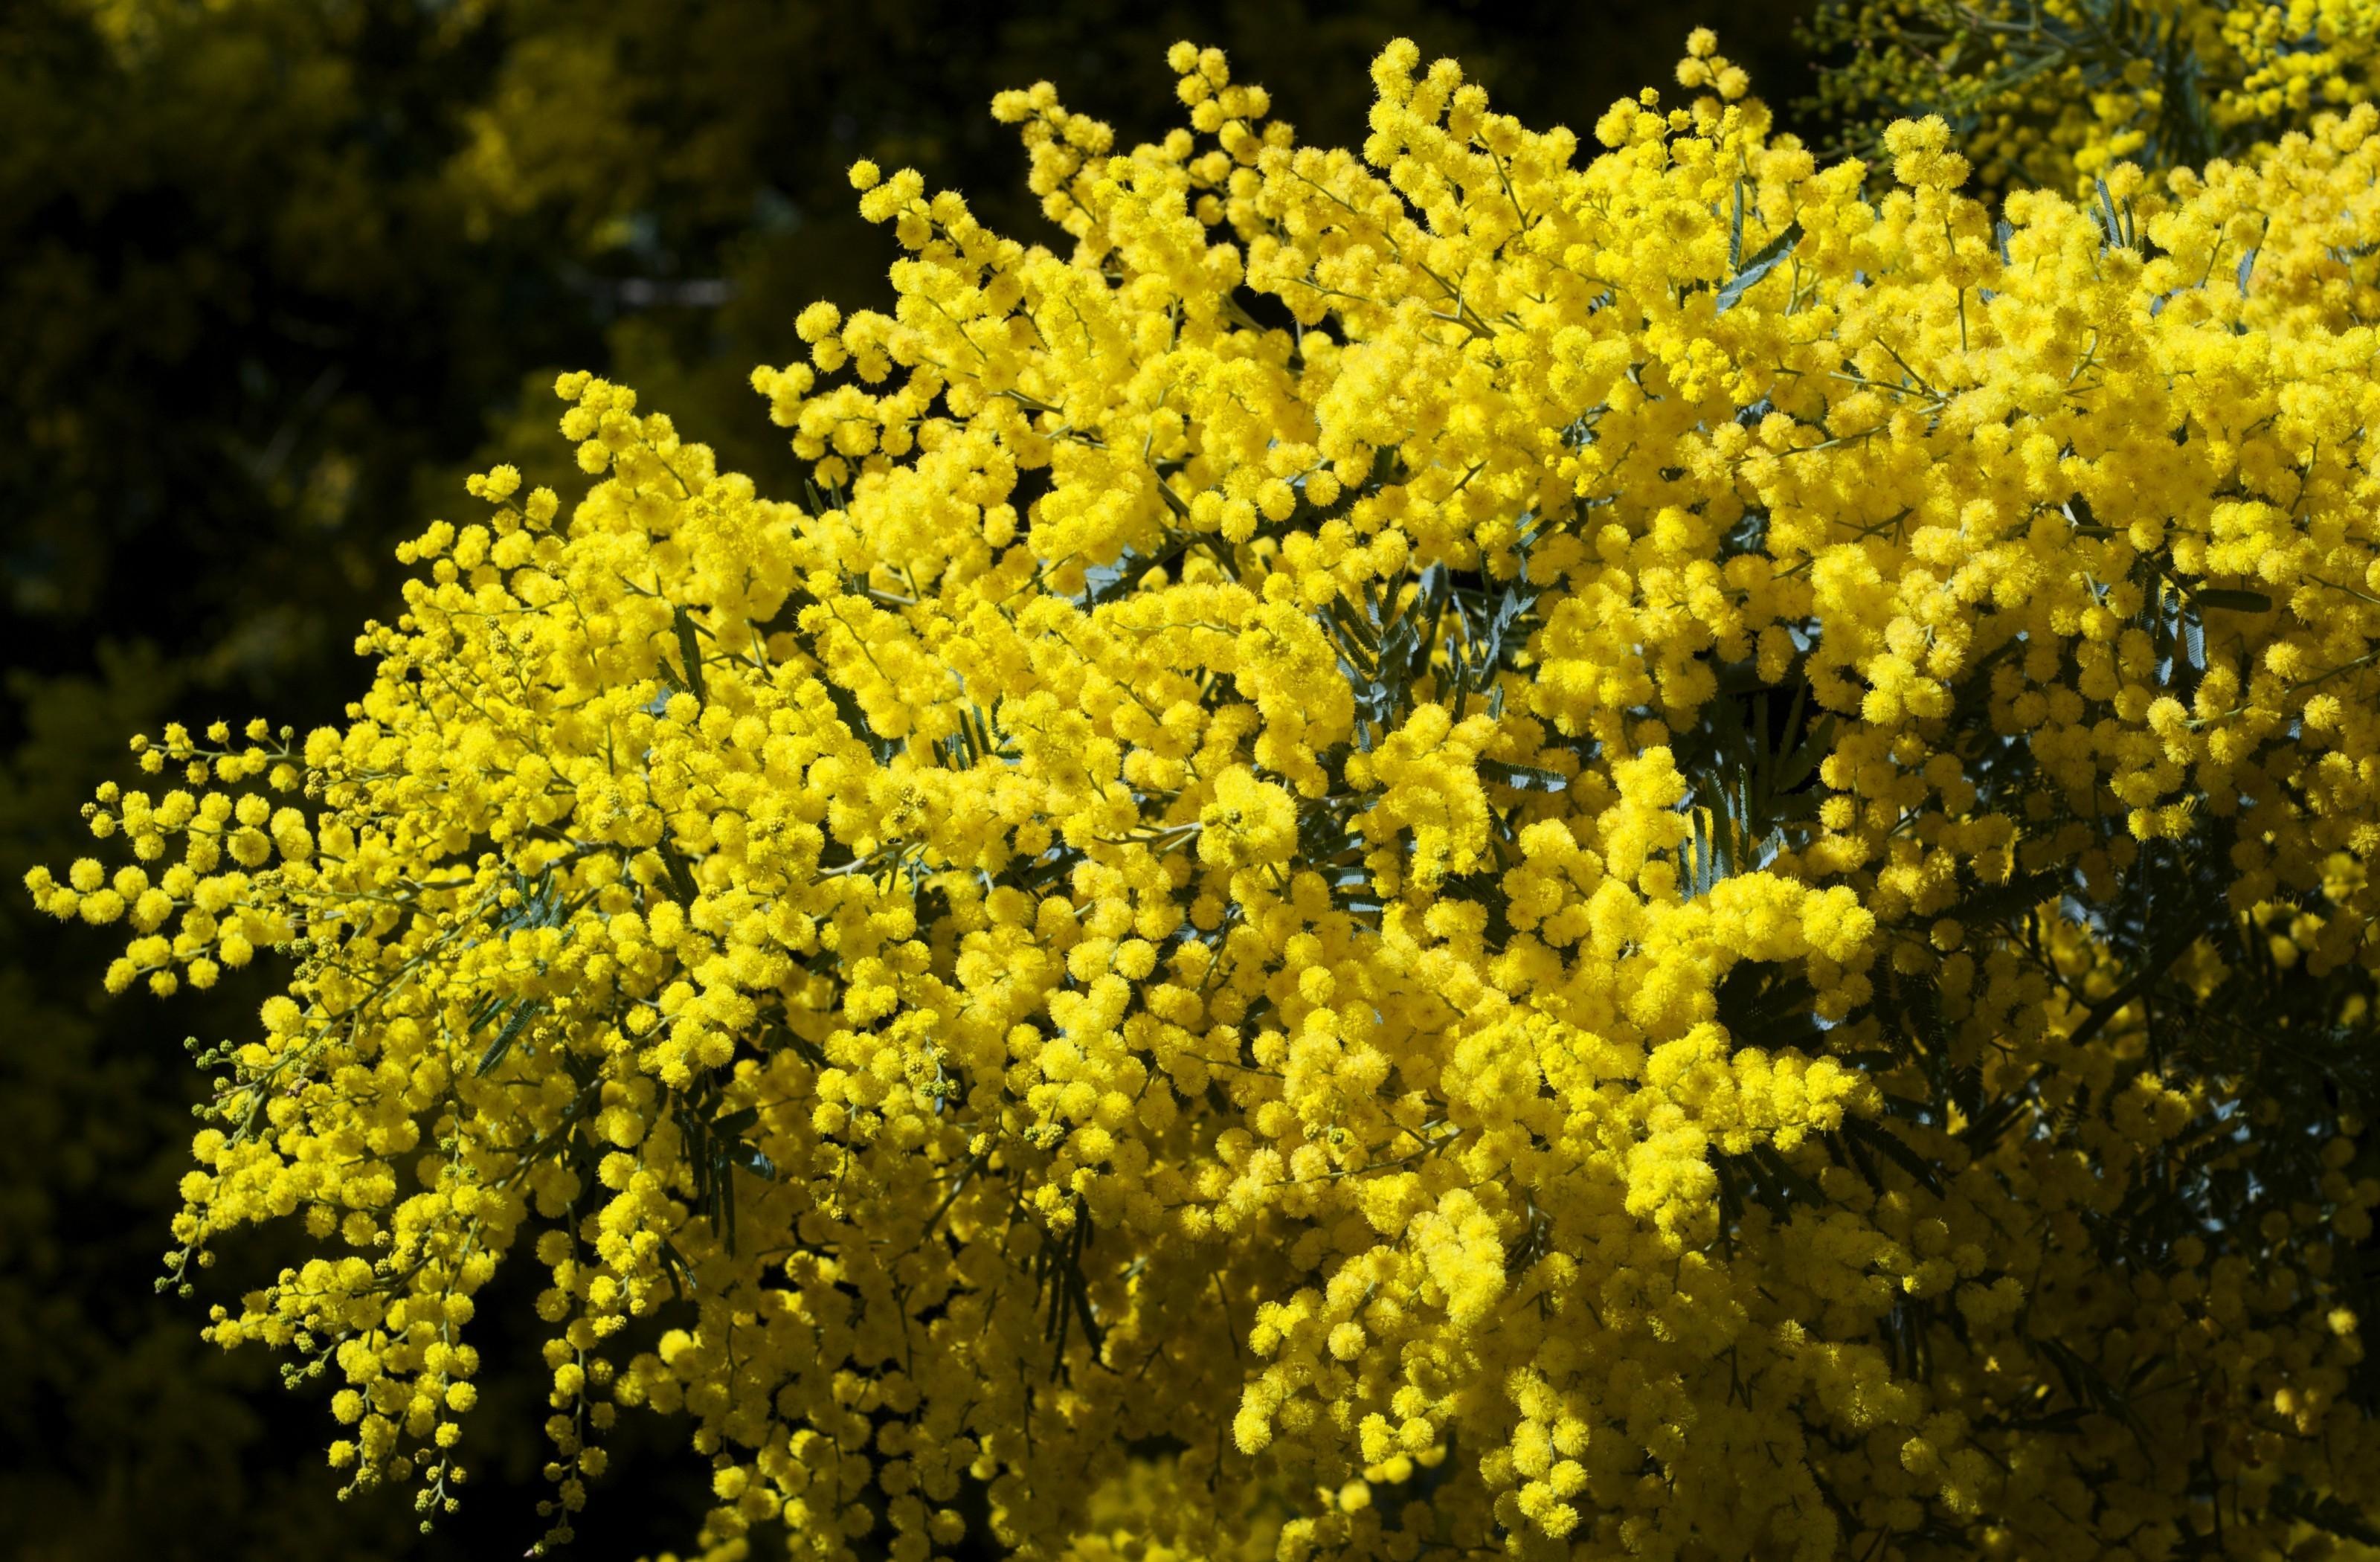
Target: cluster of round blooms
(1464, 846)
(2059, 91)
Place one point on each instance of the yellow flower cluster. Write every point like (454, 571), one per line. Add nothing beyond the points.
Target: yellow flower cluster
(1447, 847)
(2060, 92)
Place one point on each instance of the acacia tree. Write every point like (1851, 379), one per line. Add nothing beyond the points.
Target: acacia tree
(1461, 846)
(273, 276)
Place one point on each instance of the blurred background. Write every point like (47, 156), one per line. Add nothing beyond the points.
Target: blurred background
(275, 275)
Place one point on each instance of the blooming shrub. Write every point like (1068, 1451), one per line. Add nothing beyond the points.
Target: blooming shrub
(1449, 847)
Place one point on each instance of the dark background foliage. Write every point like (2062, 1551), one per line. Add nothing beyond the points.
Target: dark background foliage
(273, 276)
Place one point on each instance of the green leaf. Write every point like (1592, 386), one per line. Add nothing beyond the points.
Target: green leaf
(682, 885)
(1985, 1128)
(1768, 258)
(1524, 777)
(680, 1273)
(1748, 794)
(1882, 1140)
(1874, 1060)
(2110, 219)
(846, 708)
(1487, 888)
(1995, 903)
(749, 1158)
(1761, 1005)
(503, 1044)
(1785, 1187)
(691, 651)
(2233, 600)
